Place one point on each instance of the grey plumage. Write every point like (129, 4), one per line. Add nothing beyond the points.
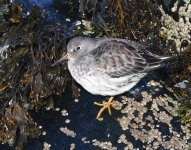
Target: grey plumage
(110, 66)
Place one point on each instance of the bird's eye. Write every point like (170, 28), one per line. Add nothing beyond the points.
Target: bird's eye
(78, 48)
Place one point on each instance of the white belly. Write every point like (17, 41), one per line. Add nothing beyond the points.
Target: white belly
(101, 84)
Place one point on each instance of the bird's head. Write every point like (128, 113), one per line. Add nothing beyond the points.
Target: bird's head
(77, 47)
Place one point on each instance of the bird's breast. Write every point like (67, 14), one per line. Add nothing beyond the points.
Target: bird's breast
(85, 76)
(99, 83)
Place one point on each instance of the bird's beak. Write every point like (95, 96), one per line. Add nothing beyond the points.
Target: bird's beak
(65, 57)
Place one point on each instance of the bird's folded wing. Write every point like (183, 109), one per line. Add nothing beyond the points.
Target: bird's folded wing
(118, 58)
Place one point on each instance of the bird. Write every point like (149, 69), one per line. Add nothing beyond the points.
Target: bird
(109, 66)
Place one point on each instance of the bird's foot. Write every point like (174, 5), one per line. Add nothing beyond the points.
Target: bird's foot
(104, 105)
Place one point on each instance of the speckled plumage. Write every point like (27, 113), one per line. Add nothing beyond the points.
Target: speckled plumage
(110, 66)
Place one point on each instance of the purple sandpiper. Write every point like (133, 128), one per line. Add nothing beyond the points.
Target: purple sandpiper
(109, 66)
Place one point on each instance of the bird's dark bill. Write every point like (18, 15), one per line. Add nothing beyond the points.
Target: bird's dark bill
(65, 57)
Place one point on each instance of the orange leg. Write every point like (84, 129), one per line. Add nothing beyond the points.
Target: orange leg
(104, 106)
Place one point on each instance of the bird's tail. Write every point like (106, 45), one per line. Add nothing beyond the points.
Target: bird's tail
(168, 60)
(161, 61)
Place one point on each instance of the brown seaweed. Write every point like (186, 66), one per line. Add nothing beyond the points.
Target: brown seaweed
(27, 79)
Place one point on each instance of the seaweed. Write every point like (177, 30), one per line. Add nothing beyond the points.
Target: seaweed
(119, 18)
(29, 45)
(184, 74)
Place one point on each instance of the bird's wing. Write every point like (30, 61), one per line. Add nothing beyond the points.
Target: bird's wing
(119, 58)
